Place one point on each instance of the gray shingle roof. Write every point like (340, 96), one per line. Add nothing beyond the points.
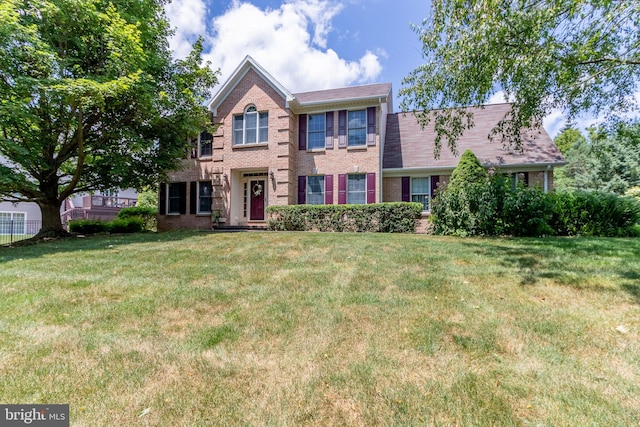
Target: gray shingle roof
(344, 94)
(409, 146)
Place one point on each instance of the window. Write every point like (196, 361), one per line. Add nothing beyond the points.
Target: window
(204, 197)
(315, 190)
(175, 197)
(357, 131)
(206, 144)
(250, 128)
(357, 189)
(316, 130)
(12, 223)
(420, 191)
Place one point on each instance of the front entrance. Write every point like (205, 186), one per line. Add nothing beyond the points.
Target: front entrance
(257, 190)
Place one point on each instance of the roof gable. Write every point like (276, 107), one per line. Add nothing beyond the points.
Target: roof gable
(408, 146)
(248, 63)
(352, 95)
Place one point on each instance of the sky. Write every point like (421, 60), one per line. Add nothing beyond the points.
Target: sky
(313, 44)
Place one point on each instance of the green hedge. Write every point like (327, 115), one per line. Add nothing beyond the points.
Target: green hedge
(94, 226)
(148, 216)
(495, 208)
(380, 217)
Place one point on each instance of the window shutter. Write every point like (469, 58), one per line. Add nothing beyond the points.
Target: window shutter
(302, 132)
(183, 197)
(162, 203)
(328, 143)
(193, 197)
(371, 126)
(406, 189)
(371, 188)
(342, 189)
(342, 129)
(435, 179)
(328, 189)
(302, 190)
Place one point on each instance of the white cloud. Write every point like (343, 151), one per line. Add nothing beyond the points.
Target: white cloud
(290, 42)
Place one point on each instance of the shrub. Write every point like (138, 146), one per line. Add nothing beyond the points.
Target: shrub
(147, 215)
(129, 225)
(88, 226)
(468, 172)
(397, 217)
(527, 212)
(594, 214)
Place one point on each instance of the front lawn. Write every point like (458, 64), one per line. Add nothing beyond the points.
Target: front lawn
(188, 329)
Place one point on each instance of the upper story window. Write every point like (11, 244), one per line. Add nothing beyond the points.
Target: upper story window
(357, 128)
(205, 145)
(316, 131)
(252, 127)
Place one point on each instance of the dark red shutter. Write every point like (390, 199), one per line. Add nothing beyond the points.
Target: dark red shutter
(328, 189)
(183, 197)
(342, 129)
(162, 203)
(435, 179)
(328, 143)
(342, 189)
(302, 190)
(406, 189)
(371, 188)
(193, 198)
(371, 126)
(302, 132)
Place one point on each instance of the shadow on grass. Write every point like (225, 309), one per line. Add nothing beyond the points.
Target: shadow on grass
(88, 243)
(568, 261)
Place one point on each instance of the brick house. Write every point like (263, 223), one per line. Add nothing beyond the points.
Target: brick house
(274, 147)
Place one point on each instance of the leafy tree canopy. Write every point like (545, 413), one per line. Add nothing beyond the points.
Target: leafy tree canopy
(568, 138)
(607, 160)
(90, 99)
(573, 55)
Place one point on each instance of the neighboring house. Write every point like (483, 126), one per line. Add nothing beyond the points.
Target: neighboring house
(337, 146)
(19, 218)
(101, 205)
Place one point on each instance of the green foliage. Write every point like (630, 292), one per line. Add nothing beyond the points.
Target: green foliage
(497, 208)
(88, 226)
(395, 217)
(119, 225)
(92, 99)
(594, 214)
(468, 172)
(571, 55)
(609, 160)
(147, 215)
(148, 198)
(568, 138)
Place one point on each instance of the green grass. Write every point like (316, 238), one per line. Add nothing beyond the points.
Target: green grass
(324, 329)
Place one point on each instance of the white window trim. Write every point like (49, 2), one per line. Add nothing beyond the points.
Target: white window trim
(198, 211)
(359, 146)
(208, 156)
(324, 189)
(365, 188)
(11, 215)
(244, 127)
(324, 133)
(411, 192)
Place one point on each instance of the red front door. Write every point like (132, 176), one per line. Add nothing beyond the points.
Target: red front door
(257, 189)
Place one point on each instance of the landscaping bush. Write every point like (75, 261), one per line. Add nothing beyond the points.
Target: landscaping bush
(397, 217)
(129, 225)
(88, 226)
(594, 214)
(148, 216)
(527, 211)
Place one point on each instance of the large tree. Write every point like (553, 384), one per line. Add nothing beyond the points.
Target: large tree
(573, 55)
(90, 98)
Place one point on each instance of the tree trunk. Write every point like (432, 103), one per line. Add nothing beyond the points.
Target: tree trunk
(51, 222)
